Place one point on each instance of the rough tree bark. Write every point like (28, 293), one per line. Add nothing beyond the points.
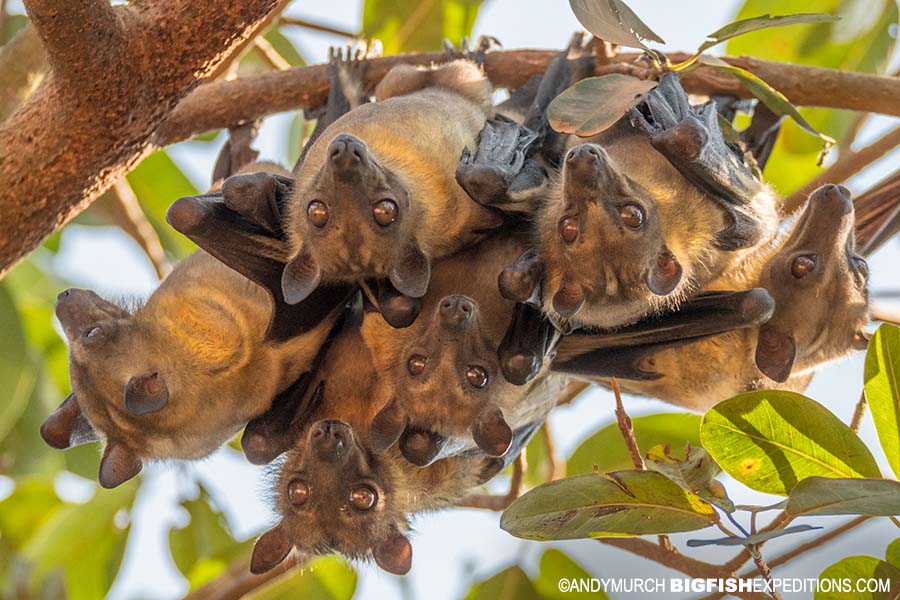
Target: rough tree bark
(115, 74)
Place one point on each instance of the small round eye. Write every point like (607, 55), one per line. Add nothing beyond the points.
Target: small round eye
(416, 364)
(317, 213)
(476, 376)
(298, 492)
(93, 332)
(632, 216)
(363, 497)
(568, 229)
(863, 267)
(385, 212)
(803, 266)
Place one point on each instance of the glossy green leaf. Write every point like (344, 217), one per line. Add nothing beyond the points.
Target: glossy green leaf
(882, 377)
(158, 182)
(204, 548)
(508, 583)
(826, 496)
(410, 25)
(325, 578)
(607, 450)
(613, 21)
(844, 574)
(757, 538)
(594, 104)
(745, 26)
(696, 473)
(84, 543)
(892, 554)
(556, 566)
(770, 440)
(620, 503)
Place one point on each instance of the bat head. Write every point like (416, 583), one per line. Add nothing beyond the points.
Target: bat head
(603, 241)
(140, 379)
(449, 383)
(819, 283)
(334, 495)
(356, 221)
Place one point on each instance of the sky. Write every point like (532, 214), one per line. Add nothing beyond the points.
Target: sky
(453, 548)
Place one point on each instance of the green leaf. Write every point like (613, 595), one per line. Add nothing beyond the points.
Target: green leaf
(892, 554)
(17, 372)
(772, 98)
(13, 24)
(844, 574)
(607, 450)
(27, 509)
(770, 440)
(556, 566)
(284, 47)
(696, 473)
(826, 496)
(613, 21)
(325, 578)
(84, 543)
(620, 503)
(756, 538)
(744, 26)
(882, 377)
(508, 583)
(204, 548)
(594, 104)
(539, 466)
(410, 25)
(158, 182)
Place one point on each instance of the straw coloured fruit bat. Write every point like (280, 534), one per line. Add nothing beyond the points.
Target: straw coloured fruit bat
(818, 283)
(374, 200)
(178, 376)
(642, 217)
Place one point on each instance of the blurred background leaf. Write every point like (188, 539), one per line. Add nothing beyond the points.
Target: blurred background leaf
(411, 25)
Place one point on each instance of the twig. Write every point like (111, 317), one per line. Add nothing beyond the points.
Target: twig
(320, 27)
(125, 212)
(845, 168)
(883, 313)
(270, 54)
(556, 466)
(764, 570)
(572, 390)
(858, 412)
(494, 501)
(894, 520)
(626, 428)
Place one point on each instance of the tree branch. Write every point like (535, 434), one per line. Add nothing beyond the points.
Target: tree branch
(319, 27)
(845, 168)
(122, 208)
(23, 64)
(626, 428)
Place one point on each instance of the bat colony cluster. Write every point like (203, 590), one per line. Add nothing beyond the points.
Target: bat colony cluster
(391, 323)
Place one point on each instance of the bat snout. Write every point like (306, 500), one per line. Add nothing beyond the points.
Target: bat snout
(331, 439)
(348, 156)
(457, 311)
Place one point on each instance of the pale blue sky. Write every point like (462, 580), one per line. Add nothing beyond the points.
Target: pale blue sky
(456, 547)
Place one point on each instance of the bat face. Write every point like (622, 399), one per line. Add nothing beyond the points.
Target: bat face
(603, 242)
(819, 283)
(356, 221)
(448, 381)
(335, 496)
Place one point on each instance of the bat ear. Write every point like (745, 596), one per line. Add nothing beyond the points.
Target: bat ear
(665, 275)
(270, 549)
(394, 555)
(301, 276)
(490, 469)
(118, 465)
(146, 394)
(399, 310)
(387, 426)
(492, 433)
(569, 299)
(860, 340)
(775, 352)
(412, 272)
(67, 426)
(421, 447)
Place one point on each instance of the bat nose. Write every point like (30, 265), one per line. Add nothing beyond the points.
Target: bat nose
(832, 199)
(347, 155)
(586, 156)
(456, 311)
(331, 439)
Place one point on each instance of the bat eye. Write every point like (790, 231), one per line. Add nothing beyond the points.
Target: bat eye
(632, 216)
(803, 266)
(93, 333)
(862, 267)
(568, 229)
(385, 212)
(477, 377)
(298, 492)
(416, 364)
(363, 497)
(317, 213)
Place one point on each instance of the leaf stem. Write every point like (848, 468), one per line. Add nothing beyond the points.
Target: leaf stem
(627, 429)
(858, 413)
